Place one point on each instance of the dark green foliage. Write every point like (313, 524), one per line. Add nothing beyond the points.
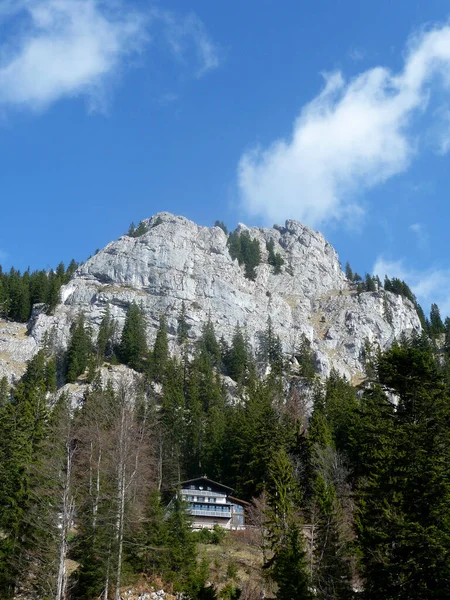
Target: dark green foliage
(287, 565)
(133, 350)
(271, 351)
(181, 556)
(135, 232)
(255, 433)
(399, 287)
(160, 353)
(24, 424)
(348, 271)
(148, 551)
(340, 407)
(238, 359)
(306, 359)
(222, 226)
(404, 453)
(173, 418)
(213, 536)
(447, 335)
(436, 325)
(290, 568)
(274, 259)
(105, 338)
(331, 511)
(4, 392)
(208, 345)
(50, 375)
(183, 325)
(79, 351)
(370, 283)
(246, 251)
(19, 292)
(332, 569)
(359, 456)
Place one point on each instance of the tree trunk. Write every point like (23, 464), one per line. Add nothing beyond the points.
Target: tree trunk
(67, 514)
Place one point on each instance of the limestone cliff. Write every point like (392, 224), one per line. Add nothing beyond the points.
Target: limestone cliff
(178, 261)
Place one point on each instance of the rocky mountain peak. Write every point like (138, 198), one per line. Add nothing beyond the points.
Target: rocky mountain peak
(175, 262)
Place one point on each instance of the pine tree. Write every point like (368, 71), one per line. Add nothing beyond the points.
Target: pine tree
(436, 324)
(105, 338)
(370, 283)
(348, 271)
(222, 226)
(79, 351)
(287, 565)
(4, 392)
(274, 259)
(341, 406)
(183, 325)
(148, 552)
(24, 423)
(133, 349)
(160, 354)
(271, 351)
(208, 345)
(405, 495)
(246, 251)
(251, 255)
(173, 418)
(73, 266)
(181, 555)
(237, 359)
(53, 292)
(306, 359)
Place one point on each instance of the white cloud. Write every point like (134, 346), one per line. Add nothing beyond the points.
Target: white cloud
(186, 35)
(65, 48)
(431, 285)
(353, 136)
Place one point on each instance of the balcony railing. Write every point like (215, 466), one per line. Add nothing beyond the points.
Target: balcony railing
(187, 492)
(214, 514)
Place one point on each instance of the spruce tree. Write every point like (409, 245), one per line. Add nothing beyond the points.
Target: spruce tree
(133, 349)
(105, 338)
(436, 324)
(181, 555)
(271, 351)
(4, 391)
(173, 418)
(237, 359)
(222, 226)
(348, 271)
(24, 423)
(183, 325)
(79, 351)
(287, 565)
(160, 354)
(274, 259)
(405, 494)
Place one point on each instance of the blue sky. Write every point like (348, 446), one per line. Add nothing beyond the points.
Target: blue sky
(335, 113)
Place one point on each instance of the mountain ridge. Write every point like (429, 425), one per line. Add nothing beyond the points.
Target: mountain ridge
(176, 262)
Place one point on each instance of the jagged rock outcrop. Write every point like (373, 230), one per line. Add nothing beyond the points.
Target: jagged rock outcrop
(178, 261)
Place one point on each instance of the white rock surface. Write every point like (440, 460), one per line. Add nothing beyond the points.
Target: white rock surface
(178, 261)
(16, 349)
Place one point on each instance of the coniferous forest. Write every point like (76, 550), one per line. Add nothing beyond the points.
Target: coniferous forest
(348, 486)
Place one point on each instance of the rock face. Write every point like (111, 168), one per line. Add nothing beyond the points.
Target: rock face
(16, 349)
(178, 261)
